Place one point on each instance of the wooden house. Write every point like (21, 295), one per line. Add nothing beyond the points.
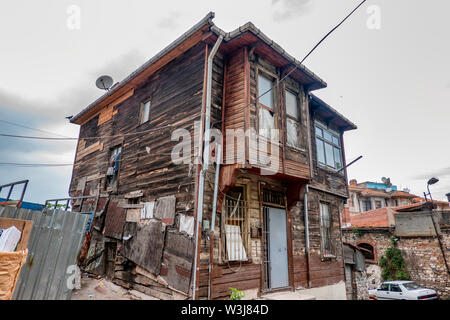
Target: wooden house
(234, 217)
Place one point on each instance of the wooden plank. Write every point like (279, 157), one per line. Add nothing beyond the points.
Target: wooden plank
(145, 246)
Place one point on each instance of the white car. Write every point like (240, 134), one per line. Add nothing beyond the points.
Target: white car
(402, 290)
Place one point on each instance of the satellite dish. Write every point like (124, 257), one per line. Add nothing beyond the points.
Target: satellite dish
(104, 82)
(384, 179)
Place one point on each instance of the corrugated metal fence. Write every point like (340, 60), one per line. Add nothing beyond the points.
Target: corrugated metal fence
(53, 247)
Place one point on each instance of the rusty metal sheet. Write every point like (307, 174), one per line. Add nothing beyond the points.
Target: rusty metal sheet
(165, 209)
(115, 220)
(143, 244)
(177, 261)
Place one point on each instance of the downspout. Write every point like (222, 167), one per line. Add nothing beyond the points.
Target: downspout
(213, 218)
(305, 202)
(206, 152)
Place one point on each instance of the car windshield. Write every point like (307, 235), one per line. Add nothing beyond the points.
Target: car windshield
(411, 286)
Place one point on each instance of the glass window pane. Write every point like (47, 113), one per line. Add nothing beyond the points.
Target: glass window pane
(319, 132)
(336, 140)
(329, 153)
(291, 105)
(327, 136)
(337, 158)
(145, 115)
(265, 84)
(266, 122)
(320, 151)
(292, 132)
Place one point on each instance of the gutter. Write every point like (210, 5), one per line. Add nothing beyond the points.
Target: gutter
(206, 152)
(305, 202)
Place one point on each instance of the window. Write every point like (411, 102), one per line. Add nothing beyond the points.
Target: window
(234, 225)
(395, 203)
(412, 286)
(378, 204)
(328, 147)
(145, 111)
(292, 119)
(395, 288)
(325, 229)
(404, 202)
(384, 287)
(367, 251)
(113, 167)
(266, 106)
(366, 205)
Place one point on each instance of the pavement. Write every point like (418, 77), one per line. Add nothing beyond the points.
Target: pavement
(96, 288)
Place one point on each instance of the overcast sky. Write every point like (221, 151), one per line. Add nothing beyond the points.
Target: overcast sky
(393, 82)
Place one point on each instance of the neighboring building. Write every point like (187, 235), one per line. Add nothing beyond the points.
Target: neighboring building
(426, 257)
(368, 196)
(148, 208)
(355, 273)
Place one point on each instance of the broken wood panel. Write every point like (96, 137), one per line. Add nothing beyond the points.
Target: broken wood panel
(165, 209)
(115, 220)
(145, 247)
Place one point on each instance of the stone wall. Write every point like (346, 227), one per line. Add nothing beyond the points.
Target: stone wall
(423, 257)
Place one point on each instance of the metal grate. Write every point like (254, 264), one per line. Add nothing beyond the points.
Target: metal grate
(234, 224)
(274, 197)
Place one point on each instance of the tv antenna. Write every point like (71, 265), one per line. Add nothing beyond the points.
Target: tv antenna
(104, 82)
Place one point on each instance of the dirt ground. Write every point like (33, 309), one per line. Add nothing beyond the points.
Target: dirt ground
(102, 289)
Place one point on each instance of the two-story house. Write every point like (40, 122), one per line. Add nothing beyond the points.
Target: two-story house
(257, 209)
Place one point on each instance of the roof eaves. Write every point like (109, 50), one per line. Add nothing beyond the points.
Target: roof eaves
(350, 124)
(250, 27)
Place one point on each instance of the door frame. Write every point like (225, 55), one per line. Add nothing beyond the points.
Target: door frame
(264, 279)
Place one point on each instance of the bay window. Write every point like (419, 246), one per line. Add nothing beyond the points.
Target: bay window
(329, 151)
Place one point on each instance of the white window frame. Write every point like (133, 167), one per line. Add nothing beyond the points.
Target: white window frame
(144, 115)
(292, 118)
(318, 125)
(265, 132)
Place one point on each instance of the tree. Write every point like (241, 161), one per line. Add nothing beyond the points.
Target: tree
(393, 266)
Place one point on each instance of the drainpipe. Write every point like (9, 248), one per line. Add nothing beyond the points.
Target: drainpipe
(201, 182)
(305, 201)
(213, 218)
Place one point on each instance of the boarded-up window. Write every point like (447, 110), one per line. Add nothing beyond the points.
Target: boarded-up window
(235, 224)
(325, 229)
(145, 111)
(266, 103)
(113, 167)
(292, 119)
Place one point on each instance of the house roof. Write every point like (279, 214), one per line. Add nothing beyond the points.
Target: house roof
(402, 194)
(205, 30)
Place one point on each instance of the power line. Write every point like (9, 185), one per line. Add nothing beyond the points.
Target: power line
(263, 94)
(31, 128)
(311, 51)
(81, 138)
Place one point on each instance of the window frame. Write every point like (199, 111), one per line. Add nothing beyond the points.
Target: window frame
(332, 133)
(142, 109)
(108, 187)
(275, 110)
(297, 120)
(245, 231)
(324, 252)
